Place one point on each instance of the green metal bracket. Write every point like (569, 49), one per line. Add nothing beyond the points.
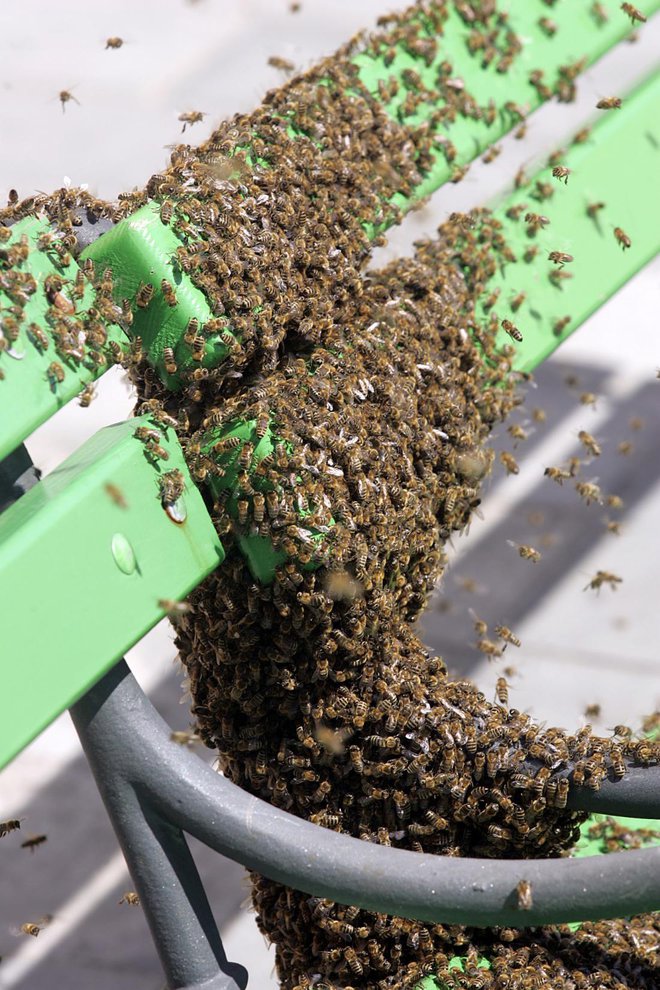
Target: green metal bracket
(90, 560)
(142, 250)
(40, 371)
(578, 36)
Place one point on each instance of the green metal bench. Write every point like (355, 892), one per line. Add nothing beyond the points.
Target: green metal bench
(128, 550)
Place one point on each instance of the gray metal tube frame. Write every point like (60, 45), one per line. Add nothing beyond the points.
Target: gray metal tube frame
(154, 791)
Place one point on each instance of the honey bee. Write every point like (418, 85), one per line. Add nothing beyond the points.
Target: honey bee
(609, 103)
(491, 154)
(502, 691)
(561, 172)
(557, 276)
(526, 552)
(87, 395)
(622, 238)
(283, 64)
(168, 361)
(535, 222)
(520, 178)
(183, 738)
(560, 325)
(601, 578)
(169, 294)
(589, 491)
(65, 96)
(173, 608)
(491, 300)
(130, 897)
(617, 761)
(560, 258)
(524, 894)
(116, 495)
(512, 330)
(588, 441)
(9, 826)
(505, 633)
(480, 627)
(144, 295)
(191, 117)
(242, 507)
(599, 13)
(33, 841)
(55, 373)
(633, 13)
(113, 42)
(490, 649)
(509, 462)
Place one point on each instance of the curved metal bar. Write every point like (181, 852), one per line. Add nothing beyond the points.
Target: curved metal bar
(478, 892)
(155, 850)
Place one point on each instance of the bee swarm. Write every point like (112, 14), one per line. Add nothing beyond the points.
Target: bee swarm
(380, 390)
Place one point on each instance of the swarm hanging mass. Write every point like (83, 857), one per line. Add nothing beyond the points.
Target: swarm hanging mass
(369, 397)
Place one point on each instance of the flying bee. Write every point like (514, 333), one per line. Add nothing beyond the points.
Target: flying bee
(526, 552)
(512, 330)
(33, 928)
(65, 96)
(622, 238)
(490, 649)
(505, 633)
(516, 303)
(33, 841)
(557, 276)
(524, 894)
(172, 608)
(144, 295)
(509, 462)
(502, 691)
(283, 64)
(609, 103)
(601, 578)
(183, 738)
(560, 258)
(530, 253)
(491, 154)
(614, 501)
(9, 826)
(561, 172)
(613, 527)
(599, 14)
(633, 13)
(560, 325)
(491, 300)
(480, 627)
(130, 897)
(169, 294)
(536, 221)
(113, 42)
(589, 491)
(589, 443)
(516, 432)
(191, 117)
(87, 395)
